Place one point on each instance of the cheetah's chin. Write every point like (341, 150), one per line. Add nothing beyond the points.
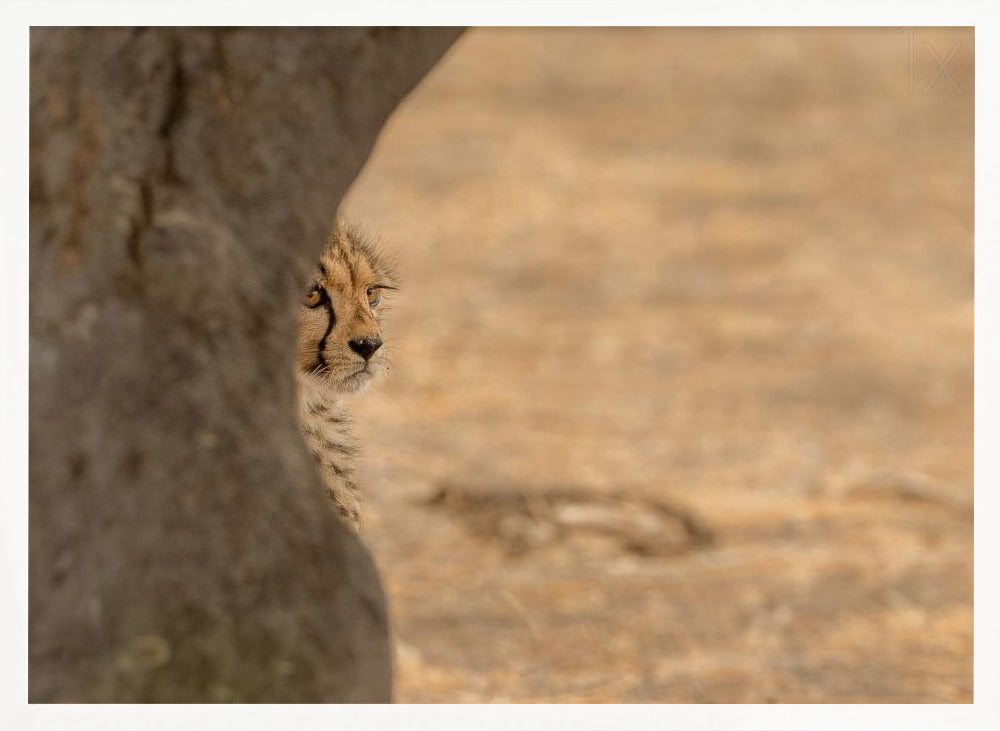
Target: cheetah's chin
(358, 381)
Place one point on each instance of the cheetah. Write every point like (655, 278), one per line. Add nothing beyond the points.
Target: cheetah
(340, 352)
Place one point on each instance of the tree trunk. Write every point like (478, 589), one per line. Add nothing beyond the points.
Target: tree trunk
(182, 182)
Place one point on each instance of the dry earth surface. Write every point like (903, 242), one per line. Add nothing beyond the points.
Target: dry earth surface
(682, 399)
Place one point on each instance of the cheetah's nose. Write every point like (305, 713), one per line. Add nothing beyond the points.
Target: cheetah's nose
(366, 347)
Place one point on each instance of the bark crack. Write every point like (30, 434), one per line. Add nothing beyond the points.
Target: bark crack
(221, 59)
(175, 109)
(141, 223)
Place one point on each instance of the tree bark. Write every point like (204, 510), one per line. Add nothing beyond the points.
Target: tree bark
(182, 182)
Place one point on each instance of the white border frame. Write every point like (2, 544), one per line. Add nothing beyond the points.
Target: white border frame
(15, 713)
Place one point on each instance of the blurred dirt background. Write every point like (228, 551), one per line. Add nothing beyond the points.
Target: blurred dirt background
(682, 399)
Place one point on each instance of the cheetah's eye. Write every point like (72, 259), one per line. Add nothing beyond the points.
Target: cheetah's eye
(374, 296)
(314, 297)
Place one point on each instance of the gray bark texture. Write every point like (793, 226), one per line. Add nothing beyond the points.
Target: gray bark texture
(181, 183)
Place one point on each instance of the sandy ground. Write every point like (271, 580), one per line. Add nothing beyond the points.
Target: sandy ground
(682, 399)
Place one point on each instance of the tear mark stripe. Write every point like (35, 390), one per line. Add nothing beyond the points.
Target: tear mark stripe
(331, 320)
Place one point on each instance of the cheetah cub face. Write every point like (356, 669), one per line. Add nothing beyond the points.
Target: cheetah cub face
(340, 346)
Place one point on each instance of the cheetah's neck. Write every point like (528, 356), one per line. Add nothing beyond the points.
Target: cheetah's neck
(326, 427)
